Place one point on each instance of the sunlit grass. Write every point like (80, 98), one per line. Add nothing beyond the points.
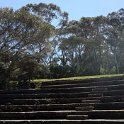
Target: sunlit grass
(77, 78)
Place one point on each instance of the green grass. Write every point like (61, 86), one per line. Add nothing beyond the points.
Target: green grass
(78, 78)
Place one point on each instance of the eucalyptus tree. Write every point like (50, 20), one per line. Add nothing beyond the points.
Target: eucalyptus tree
(28, 31)
(94, 45)
(115, 38)
(18, 32)
(50, 14)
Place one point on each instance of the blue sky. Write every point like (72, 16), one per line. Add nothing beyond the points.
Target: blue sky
(75, 8)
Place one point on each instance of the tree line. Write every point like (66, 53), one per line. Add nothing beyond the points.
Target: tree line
(39, 41)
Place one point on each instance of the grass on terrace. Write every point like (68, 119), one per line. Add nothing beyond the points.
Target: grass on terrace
(78, 78)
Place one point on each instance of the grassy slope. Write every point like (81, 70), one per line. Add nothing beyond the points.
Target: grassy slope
(77, 78)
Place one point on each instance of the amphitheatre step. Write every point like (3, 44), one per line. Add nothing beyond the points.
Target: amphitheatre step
(44, 95)
(109, 106)
(38, 115)
(109, 87)
(86, 108)
(102, 83)
(97, 101)
(65, 89)
(116, 98)
(105, 99)
(106, 93)
(25, 101)
(43, 107)
(55, 105)
(90, 101)
(84, 89)
(39, 101)
(101, 106)
(106, 114)
(91, 98)
(77, 117)
(95, 94)
(109, 93)
(47, 90)
(55, 121)
(57, 82)
(63, 121)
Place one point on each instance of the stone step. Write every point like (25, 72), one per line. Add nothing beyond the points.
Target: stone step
(99, 89)
(55, 121)
(65, 89)
(101, 106)
(83, 89)
(104, 106)
(108, 88)
(44, 95)
(57, 90)
(77, 117)
(90, 101)
(105, 99)
(63, 121)
(109, 93)
(99, 102)
(107, 83)
(39, 101)
(91, 84)
(92, 98)
(106, 93)
(57, 82)
(47, 90)
(109, 106)
(95, 94)
(81, 81)
(43, 107)
(84, 81)
(85, 108)
(116, 98)
(38, 115)
(106, 114)
(25, 101)
(49, 101)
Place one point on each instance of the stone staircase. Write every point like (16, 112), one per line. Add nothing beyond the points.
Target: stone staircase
(94, 101)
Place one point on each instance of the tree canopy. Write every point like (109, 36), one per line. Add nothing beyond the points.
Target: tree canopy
(38, 41)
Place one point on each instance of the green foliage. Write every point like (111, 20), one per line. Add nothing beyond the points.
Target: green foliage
(32, 47)
(57, 71)
(25, 40)
(3, 76)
